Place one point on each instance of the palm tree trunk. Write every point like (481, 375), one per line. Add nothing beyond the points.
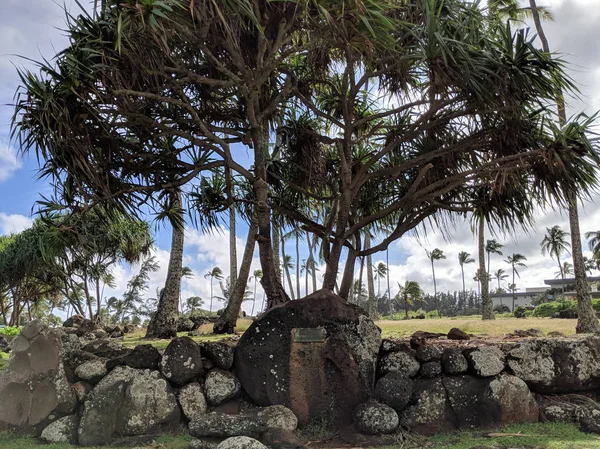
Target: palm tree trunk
(370, 281)
(276, 253)
(514, 298)
(360, 279)
(164, 322)
(462, 269)
(254, 297)
(587, 321)
(387, 262)
(562, 274)
(286, 269)
(310, 265)
(298, 294)
(98, 300)
(211, 294)
(405, 307)
(314, 265)
(233, 265)
(225, 324)
(487, 306)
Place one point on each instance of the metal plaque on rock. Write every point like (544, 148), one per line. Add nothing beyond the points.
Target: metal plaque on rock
(309, 335)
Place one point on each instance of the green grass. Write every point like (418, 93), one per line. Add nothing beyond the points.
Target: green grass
(11, 441)
(3, 360)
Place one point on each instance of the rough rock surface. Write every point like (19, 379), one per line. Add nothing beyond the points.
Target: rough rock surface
(140, 357)
(517, 404)
(34, 388)
(428, 411)
(226, 425)
(374, 418)
(127, 402)
(185, 325)
(73, 359)
(74, 321)
(221, 354)
(92, 371)
(220, 386)
(394, 389)
(589, 419)
(486, 361)
(429, 353)
(278, 417)
(106, 349)
(241, 443)
(63, 430)
(347, 358)
(454, 362)
(204, 443)
(181, 361)
(430, 369)
(562, 412)
(192, 401)
(564, 365)
(457, 334)
(400, 362)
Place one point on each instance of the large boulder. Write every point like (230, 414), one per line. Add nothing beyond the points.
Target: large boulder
(63, 430)
(220, 386)
(558, 365)
(241, 443)
(127, 402)
(34, 389)
(329, 377)
(181, 361)
(374, 418)
(394, 389)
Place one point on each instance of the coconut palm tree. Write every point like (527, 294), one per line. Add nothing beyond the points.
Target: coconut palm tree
(257, 275)
(555, 244)
(464, 258)
(287, 266)
(381, 271)
(435, 254)
(215, 273)
(567, 268)
(492, 247)
(515, 260)
(409, 293)
(500, 275)
(193, 303)
(590, 264)
(593, 238)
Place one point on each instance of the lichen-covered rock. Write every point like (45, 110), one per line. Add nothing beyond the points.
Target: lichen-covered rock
(429, 353)
(221, 354)
(589, 419)
(388, 346)
(394, 389)
(565, 365)
(107, 349)
(63, 430)
(204, 443)
(73, 359)
(225, 425)
(86, 327)
(34, 388)
(457, 334)
(400, 362)
(430, 369)
(127, 402)
(81, 389)
(515, 401)
(278, 417)
(220, 386)
(181, 361)
(374, 418)
(140, 357)
(429, 411)
(347, 359)
(185, 325)
(486, 361)
(192, 401)
(241, 443)
(92, 371)
(74, 321)
(454, 362)
(70, 342)
(561, 412)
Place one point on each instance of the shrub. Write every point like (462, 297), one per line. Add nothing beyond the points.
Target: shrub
(520, 312)
(10, 331)
(549, 309)
(501, 308)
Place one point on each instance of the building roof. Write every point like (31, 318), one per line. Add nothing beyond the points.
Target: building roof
(516, 294)
(569, 280)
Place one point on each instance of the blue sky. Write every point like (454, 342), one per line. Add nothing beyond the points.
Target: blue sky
(32, 28)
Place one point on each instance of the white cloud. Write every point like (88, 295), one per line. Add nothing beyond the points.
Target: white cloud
(8, 161)
(11, 223)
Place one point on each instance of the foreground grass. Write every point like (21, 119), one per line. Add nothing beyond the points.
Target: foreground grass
(533, 436)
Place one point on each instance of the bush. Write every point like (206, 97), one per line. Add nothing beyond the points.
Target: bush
(520, 312)
(501, 308)
(549, 309)
(10, 331)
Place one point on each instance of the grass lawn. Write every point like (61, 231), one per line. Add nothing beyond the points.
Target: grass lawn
(534, 436)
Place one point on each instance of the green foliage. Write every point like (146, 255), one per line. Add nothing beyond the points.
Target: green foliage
(501, 308)
(549, 309)
(520, 312)
(10, 331)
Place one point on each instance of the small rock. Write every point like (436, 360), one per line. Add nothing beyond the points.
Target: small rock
(63, 430)
(421, 337)
(431, 369)
(185, 325)
(106, 349)
(388, 346)
(4, 345)
(181, 361)
(429, 353)
(278, 417)
(486, 361)
(394, 389)
(221, 354)
(589, 419)
(457, 334)
(399, 361)
(220, 386)
(241, 443)
(100, 334)
(74, 321)
(374, 418)
(81, 390)
(281, 439)
(129, 328)
(140, 357)
(454, 362)
(192, 401)
(92, 371)
(86, 327)
(555, 334)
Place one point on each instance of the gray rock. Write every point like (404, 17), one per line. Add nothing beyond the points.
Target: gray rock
(63, 430)
(100, 334)
(429, 410)
(92, 371)
(140, 357)
(127, 402)
(204, 443)
(589, 419)
(32, 329)
(81, 389)
(241, 443)
(225, 425)
(108, 349)
(431, 369)
(181, 361)
(454, 362)
(221, 354)
(429, 353)
(70, 342)
(401, 362)
(220, 386)
(74, 321)
(278, 417)
(192, 401)
(374, 418)
(515, 403)
(394, 389)
(486, 361)
(561, 412)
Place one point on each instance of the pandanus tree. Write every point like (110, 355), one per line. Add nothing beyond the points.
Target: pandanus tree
(468, 108)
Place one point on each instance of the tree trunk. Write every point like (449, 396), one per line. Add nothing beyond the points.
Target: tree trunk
(286, 269)
(348, 276)
(298, 294)
(233, 265)
(314, 265)
(88, 298)
(226, 322)
(98, 300)
(370, 281)
(310, 266)
(514, 289)
(387, 262)
(487, 306)
(164, 322)
(276, 253)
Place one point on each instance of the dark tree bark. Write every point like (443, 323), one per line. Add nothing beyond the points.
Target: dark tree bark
(164, 322)
(227, 321)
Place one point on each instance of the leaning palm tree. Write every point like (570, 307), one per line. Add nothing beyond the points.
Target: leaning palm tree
(567, 268)
(515, 260)
(435, 254)
(409, 293)
(257, 275)
(500, 275)
(215, 273)
(555, 244)
(492, 247)
(464, 258)
(381, 271)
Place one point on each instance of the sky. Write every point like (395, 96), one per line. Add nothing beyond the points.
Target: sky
(33, 29)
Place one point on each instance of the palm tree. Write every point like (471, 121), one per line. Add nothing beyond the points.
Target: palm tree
(186, 272)
(492, 246)
(287, 266)
(515, 260)
(381, 271)
(193, 303)
(464, 258)
(593, 238)
(567, 268)
(409, 293)
(256, 276)
(590, 264)
(435, 254)
(372, 309)
(555, 244)
(500, 275)
(215, 273)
